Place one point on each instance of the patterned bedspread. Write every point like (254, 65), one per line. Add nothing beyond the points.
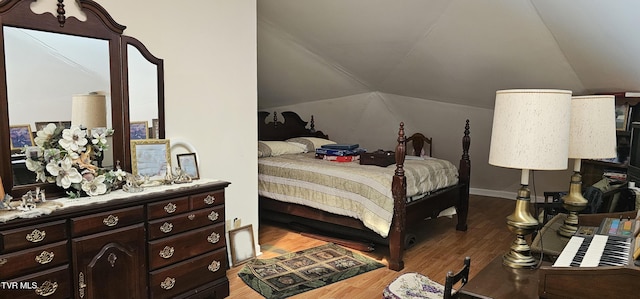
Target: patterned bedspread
(348, 188)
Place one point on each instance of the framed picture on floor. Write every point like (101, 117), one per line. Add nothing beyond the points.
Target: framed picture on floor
(241, 244)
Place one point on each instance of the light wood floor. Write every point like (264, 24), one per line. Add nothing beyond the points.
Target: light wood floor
(440, 248)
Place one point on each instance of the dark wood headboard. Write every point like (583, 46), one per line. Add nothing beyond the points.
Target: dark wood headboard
(291, 126)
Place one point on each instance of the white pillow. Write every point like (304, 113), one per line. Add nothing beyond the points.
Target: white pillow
(277, 148)
(312, 143)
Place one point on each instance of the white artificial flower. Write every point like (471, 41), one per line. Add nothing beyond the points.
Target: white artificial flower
(64, 172)
(44, 135)
(38, 168)
(99, 139)
(95, 186)
(119, 174)
(73, 139)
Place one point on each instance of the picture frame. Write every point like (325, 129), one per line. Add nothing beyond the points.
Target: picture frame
(20, 136)
(155, 125)
(150, 158)
(189, 164)
(241, 244)
(41, 124)
(139, 130)
(622, 116)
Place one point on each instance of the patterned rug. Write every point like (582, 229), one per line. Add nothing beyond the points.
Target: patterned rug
(297, 272)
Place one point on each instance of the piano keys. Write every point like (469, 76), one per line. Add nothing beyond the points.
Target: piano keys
(594, 251)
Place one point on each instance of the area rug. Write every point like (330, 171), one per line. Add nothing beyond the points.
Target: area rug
(298, 272)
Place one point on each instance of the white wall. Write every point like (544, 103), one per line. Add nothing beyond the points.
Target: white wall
(209, 52)
(372, 120)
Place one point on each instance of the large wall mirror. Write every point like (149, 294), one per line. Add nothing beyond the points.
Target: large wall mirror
(48, 57)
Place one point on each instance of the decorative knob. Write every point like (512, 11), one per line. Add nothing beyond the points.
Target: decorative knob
(44, 257)
(110, 220)
(214, 266)
(210, 199)
(213, 216)
(166, 227)
(36, 236)
(213, 238)
(166, 252)
(168, 283)
(170, 208)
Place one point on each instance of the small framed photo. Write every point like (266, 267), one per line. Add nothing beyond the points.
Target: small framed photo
(20, 136)
(622, 116)
(189, 164)
(150, 158)
(156, 128)
(241, 244)
(139, 130)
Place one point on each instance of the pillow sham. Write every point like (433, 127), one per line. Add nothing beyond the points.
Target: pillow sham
(277, 148)
(312, 143)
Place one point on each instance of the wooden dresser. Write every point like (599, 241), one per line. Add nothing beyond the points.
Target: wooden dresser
(163, 243)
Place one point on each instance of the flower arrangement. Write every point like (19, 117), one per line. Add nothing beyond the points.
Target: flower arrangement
(68, 158)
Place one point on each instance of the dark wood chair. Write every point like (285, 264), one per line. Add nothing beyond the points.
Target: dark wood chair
(418, 142)
(409, 285)
(452, 279)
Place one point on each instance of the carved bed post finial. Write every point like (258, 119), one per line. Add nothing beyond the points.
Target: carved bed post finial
(61, 12)
(466, 142)
(312, 126)
(275, 119)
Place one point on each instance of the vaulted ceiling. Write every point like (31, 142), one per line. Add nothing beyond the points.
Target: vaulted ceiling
(454, 51)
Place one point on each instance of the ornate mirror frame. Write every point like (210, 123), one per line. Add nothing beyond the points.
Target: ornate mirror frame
(98, 24)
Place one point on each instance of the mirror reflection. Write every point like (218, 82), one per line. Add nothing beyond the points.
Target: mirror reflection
(44, 71)
(143, 95)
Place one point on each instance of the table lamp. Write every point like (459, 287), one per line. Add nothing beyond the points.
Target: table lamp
(89, 111)
(530, 132)
(592, 136)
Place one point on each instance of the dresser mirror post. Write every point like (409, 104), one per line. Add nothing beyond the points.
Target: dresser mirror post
(100, 64)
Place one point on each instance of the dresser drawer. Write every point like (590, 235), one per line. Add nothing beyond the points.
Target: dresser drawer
(26, 237)
(96, 223)
(181, 277)
(31, 260)
(205, 200)
(170, 250)
(180, 223)
(168, 208)
(53, 283)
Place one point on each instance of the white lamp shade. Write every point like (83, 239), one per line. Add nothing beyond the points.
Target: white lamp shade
(531, 129)
(593, 127)
(89, 110)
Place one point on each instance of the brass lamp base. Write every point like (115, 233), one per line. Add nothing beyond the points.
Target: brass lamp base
(521, 223)
(520, 255)
(573, 202)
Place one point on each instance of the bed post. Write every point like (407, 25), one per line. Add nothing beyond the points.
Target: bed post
(464, 174)
(399, 191)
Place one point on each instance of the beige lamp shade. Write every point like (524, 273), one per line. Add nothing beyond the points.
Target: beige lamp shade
(89, 110)
(531, 129)
(593, 127)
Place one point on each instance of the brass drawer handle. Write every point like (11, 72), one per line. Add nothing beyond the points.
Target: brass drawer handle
(191, 216)
(81, 285)
(213, 216)
(44, 257)
(47, 288)
(166, 252)
(168, 283)
(36, 236)
(110, 220)
(166, 227)
(213, 238)
(170, 208)
(214, 266)
(209, 199)
(3, 261)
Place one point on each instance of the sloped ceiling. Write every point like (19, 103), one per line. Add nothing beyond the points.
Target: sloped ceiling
(453, 51)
